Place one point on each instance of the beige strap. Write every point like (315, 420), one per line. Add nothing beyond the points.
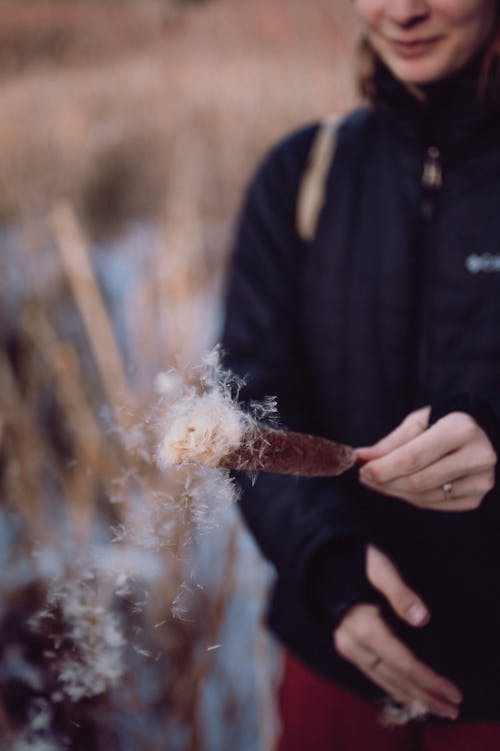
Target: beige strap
(311, 195)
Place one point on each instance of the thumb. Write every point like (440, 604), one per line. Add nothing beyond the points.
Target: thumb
(385, 577)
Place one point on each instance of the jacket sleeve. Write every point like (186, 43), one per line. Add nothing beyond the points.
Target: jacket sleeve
(297, 522)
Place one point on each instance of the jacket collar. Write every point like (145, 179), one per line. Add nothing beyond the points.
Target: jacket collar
(449, 114)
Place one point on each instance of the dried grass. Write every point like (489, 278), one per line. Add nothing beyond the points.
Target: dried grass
(113, 138)
(167, 129)
(118, 639)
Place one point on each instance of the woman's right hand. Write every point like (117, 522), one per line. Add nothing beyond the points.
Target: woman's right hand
(364, 639)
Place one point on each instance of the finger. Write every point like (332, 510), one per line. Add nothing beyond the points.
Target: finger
(447, 468)
(405, 677)
(455, 432)
(420, 452)
(364, 625)
(384, 675)
(437, 692)
(376, 670)
(467, 492)
(466, 460)
(385, 577)
(413, 693)
(411, 426)
(470, 504)
(349, 646)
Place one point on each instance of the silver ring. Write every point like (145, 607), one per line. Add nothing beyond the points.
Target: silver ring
(448, 491)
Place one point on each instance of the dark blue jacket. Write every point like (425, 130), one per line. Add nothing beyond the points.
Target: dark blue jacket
(395, 304)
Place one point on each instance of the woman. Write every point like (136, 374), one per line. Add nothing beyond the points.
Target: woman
(387, 578)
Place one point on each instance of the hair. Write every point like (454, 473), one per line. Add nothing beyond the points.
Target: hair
(368, 63)
(490, 72)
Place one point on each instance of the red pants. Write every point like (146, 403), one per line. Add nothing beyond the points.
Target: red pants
(318, 716)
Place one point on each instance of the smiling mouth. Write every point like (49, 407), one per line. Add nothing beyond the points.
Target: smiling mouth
(414, 48)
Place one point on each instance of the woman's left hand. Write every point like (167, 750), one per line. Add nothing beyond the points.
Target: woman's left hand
(449, 466)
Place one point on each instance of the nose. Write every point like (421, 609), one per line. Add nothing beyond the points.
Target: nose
(407, 13)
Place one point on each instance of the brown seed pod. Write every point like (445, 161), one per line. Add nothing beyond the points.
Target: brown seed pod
(286, 452)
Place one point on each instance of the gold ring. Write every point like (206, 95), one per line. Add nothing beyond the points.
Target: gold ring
(448, 491)
(375, 662)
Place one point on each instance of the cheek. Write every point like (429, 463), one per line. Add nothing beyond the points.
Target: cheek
(471, 21)
(467, 13)
(369, 12)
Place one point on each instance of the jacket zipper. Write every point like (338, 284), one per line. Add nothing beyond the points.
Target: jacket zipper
(431, 184)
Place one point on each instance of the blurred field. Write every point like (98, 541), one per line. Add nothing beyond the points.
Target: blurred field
(141, 92)
(128, 132)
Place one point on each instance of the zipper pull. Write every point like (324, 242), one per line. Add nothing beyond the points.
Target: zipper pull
(432, 181)
(432, 175)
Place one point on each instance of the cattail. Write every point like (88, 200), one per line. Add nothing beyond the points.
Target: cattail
(266, 449)
(394, 714)
(212, 430)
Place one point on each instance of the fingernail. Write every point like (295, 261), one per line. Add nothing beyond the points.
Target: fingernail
(367, 476)
(455, 696)
(452, 714)
(417, 613)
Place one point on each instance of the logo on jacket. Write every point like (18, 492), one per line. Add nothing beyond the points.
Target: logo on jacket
(487, 263)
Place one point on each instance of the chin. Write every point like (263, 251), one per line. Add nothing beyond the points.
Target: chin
(419, 73)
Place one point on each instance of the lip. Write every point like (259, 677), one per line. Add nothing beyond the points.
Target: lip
(414, 47)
